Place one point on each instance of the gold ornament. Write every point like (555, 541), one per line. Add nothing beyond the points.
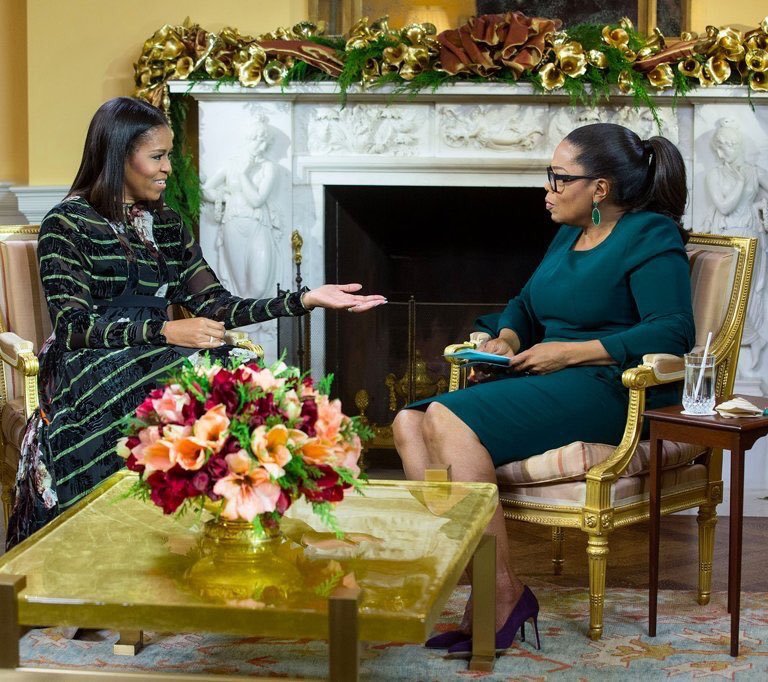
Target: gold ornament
(394, 55)
(598, 59)
(274, 72)
(249, 73)
(661, 76)
(625, 83)
(552, 77)
(573, 61)
(706, 80)
(757, 60)
(758, 80)
(719, 68)
(616, 37)
(689, 67)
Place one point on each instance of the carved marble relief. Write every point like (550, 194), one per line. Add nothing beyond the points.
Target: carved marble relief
(494, 127)
(248, 230)
(731, 198)
(365, 129)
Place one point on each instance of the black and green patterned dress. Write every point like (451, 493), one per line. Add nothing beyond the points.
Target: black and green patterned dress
(108, 287)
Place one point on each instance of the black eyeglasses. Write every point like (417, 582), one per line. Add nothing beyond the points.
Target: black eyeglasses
(553, 178)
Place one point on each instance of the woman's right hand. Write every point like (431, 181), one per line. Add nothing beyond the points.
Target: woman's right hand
(194, 332)
(497, 346)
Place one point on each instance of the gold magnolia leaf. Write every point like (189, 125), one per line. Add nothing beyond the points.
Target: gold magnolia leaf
(758, 80)
(719, 68)
(689, 67)
(757, 60)
(598, 59)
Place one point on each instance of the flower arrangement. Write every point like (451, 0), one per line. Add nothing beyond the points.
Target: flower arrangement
(246, 438)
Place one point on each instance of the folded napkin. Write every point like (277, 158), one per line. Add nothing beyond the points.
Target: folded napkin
(738, 407)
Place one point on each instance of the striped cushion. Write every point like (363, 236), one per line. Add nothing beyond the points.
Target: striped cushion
(626, 491)
(712, 271)
(24, 307)
(571, 463)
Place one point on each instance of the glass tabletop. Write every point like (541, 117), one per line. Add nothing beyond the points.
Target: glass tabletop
(119, 562)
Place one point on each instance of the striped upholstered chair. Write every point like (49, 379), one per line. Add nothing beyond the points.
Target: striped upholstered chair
(24, 326)
(597, 488)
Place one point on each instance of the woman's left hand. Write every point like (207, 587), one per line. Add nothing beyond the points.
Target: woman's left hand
(341, 297)
(542, 358)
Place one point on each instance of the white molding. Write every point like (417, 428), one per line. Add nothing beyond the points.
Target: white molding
(9, 207)
(36, 200)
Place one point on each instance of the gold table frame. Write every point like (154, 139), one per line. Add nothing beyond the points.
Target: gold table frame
(32, 593)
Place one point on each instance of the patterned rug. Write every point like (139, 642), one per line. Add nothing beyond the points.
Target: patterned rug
(692, 643)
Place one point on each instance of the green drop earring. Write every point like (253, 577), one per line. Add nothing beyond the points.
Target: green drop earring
(595, 214)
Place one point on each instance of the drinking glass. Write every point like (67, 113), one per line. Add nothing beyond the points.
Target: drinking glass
(699, 385)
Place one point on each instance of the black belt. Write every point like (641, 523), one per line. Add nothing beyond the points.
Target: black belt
(131, 302)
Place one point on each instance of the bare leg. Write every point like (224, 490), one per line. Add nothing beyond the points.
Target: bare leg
(449, 441)
(409, 441)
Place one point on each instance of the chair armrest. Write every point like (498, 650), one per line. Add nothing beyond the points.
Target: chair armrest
(657, 369)
(18, 354)
(241, 340)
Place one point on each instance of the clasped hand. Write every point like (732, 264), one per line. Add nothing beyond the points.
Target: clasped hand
(542, 358)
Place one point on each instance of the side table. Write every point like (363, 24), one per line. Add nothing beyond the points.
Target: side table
(735, 434)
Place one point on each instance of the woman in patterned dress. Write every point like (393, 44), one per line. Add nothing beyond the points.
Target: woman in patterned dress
(112, 259)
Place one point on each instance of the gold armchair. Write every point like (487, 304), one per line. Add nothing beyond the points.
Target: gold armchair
(598, 488)
(24, 326)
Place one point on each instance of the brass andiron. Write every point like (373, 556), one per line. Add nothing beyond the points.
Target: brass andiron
(414, 385)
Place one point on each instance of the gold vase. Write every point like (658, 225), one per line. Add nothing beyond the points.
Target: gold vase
(236, 563)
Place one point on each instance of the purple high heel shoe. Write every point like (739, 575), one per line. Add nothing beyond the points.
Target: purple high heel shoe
(446, 640)
(527, 608)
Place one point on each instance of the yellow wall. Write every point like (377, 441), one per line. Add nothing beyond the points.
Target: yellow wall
(81, 53)
(60, 59)
(718, 13)
(13, 91)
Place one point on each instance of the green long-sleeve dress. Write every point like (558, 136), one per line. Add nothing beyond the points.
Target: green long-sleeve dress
(631, 291)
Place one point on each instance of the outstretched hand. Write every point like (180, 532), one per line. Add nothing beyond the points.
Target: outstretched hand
(341, 297)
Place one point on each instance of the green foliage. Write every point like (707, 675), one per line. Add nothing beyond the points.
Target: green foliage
(589, 35)
(355, 61)
(324, 385)
(324, 511)
(182, 192)
(328, 585)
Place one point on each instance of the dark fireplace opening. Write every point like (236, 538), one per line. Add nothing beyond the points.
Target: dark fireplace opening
(443, 256)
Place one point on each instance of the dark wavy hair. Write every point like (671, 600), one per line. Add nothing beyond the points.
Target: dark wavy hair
(116, 128)
(645, 175)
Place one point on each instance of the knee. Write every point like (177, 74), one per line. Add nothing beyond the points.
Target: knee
(406, 426)
(437, 419)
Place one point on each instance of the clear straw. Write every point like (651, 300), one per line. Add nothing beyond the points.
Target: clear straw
(703, 366)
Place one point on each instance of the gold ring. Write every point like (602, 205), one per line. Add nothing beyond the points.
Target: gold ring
(211, 339)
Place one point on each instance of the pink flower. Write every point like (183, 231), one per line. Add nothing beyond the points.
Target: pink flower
(170, 405)
(246, 493)
(348, 453)
(267, 381)
(271, 447)
(329, 418)
(318, 451)
(212, 427)
(190, 453)
(147, 436)
(158, 456)
(291, 405)
(145, 410)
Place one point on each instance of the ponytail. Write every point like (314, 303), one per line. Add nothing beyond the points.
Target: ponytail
(644, 174)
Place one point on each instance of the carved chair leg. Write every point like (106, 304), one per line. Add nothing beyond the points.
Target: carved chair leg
(707, 520)
(597, 552)
(557, 550)
(6, 483)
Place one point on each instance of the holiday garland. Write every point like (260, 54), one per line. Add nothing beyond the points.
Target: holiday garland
(587, 61)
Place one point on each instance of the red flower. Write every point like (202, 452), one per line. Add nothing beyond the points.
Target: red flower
(146, 410)
(328, 487)
(132, 464)
(171, 488)
(224, 391)
(283, 502)
(262, 408)
(308, 417)
(191, 412)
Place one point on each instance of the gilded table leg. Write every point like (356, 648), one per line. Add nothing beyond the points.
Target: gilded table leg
(130, 643)
(10, 586)
(484, 607)
(343, 634)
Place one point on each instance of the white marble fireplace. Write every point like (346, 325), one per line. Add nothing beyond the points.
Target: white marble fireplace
(267, 155)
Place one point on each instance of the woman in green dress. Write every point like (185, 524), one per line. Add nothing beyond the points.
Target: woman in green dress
(613, 286)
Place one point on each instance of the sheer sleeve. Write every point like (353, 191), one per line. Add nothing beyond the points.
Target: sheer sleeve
(203, 295)
(66, 274)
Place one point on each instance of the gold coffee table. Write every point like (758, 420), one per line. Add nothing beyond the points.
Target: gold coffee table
(121, 564)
